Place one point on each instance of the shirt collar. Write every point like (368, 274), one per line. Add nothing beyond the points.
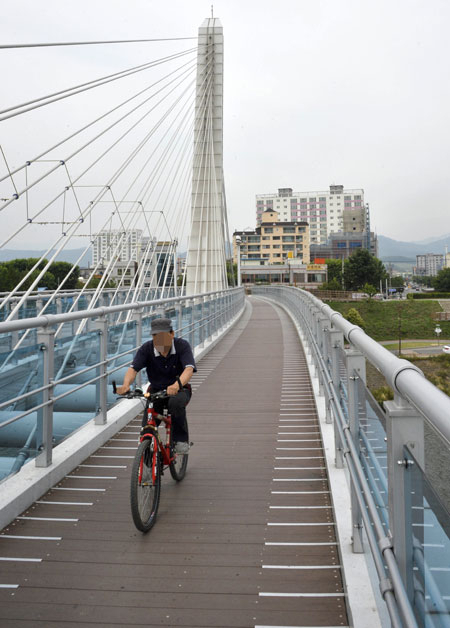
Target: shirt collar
(172, 350)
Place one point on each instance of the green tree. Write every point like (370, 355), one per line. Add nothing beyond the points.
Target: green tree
(334, 284)
(423, 280)
(12, 272)
(60, 270)
(354, 317)
(397, 282)
(334, 270)
(442, 281)
(231, 273)
(369, 290)
(361, 268)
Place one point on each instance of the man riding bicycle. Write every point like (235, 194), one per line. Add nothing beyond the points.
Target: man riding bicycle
(170, 363)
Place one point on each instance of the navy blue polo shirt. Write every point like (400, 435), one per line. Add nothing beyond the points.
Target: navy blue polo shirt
(161, 371)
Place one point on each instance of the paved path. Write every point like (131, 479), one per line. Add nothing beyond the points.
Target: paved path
(247, 539)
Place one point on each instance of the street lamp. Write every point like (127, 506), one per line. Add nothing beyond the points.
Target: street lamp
(437, 331)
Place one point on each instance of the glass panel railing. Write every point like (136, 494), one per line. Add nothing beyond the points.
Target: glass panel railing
(373, 449)
(428, 540)
(21, 379)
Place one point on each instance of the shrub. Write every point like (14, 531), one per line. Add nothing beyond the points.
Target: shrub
(384, 393)
(354, 317)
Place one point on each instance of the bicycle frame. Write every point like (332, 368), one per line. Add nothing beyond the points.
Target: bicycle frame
(152, 427)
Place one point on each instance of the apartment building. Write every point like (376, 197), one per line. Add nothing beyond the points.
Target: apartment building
(323, 211)
(115, 243)
(429, 264)
(273, 241)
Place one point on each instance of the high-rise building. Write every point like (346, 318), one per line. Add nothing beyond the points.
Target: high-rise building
(324, 211)
(116, 244)
(429, 264)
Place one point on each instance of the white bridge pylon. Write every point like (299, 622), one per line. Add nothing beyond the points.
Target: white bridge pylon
(206, 255)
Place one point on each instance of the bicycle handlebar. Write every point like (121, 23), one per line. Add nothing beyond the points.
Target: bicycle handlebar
(139, 393)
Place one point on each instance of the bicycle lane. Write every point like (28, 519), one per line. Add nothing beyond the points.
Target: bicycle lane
(218, 554)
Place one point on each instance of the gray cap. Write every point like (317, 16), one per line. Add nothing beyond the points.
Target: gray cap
(161, 324)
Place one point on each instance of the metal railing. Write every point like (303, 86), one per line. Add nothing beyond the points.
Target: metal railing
(63, 383)
(397, 493)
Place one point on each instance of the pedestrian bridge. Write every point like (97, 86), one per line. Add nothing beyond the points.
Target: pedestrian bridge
(305, 504)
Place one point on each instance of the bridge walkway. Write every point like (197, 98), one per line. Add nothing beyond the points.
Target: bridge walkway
(247, 539)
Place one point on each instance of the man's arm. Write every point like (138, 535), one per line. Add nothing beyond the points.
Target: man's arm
(129, 378)
(184, 379)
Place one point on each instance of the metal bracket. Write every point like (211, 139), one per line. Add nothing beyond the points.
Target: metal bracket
(384, 544)
(385, 586)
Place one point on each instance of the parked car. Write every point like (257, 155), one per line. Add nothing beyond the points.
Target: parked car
(446, 348)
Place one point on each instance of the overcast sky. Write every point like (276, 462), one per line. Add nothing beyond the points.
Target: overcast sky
(352, 92)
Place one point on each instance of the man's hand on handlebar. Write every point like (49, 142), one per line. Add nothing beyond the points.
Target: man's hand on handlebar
(122, 390)
(173, 389)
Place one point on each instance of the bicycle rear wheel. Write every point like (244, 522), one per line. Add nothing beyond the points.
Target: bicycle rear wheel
(145, 484)
(178, 466)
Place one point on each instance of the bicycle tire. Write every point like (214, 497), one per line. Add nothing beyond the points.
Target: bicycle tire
(178, 467)
(145, 489)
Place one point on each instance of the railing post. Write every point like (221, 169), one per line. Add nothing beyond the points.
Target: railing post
(101, 396)
(44, 426)
(404, 426)
(337, 345)
(179, 311)
(137, 317)
(322, 328)
(356, 369)
(201, 327)
(192, 325)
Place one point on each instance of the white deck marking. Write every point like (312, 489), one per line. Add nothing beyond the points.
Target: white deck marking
(309, 544)
(31, 538)
(261, 594)
(298, 448)
(93, 477)
(92, 490)
(297, 440)
(46, 519)
(298, 457)
(128, 457)
(331, 523)
(298, 507)
(297, 468)
(297, 433)
(103, 466)
(298, 493)
(21, 560)
(128, 448)
(9, 586)
(299, 480)
(67, 503)
(300, 566)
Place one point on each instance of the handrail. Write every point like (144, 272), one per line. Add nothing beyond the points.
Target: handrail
(222, 307)
(316, 319)
(54, 319)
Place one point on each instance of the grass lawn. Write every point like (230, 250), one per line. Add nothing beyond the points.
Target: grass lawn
(381, 318)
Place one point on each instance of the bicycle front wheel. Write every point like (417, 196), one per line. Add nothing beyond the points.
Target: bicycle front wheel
(145, 484)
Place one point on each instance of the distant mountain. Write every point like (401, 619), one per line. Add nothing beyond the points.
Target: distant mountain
(69, 255)
(434, 239)
(389, 249)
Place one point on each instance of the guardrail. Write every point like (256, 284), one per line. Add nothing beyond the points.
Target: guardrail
(68, 377)
(390, 455)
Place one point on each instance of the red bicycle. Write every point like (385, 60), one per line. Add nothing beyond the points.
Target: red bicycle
(154, 454)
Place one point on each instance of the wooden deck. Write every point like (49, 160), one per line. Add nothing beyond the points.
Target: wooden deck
(247, 539)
